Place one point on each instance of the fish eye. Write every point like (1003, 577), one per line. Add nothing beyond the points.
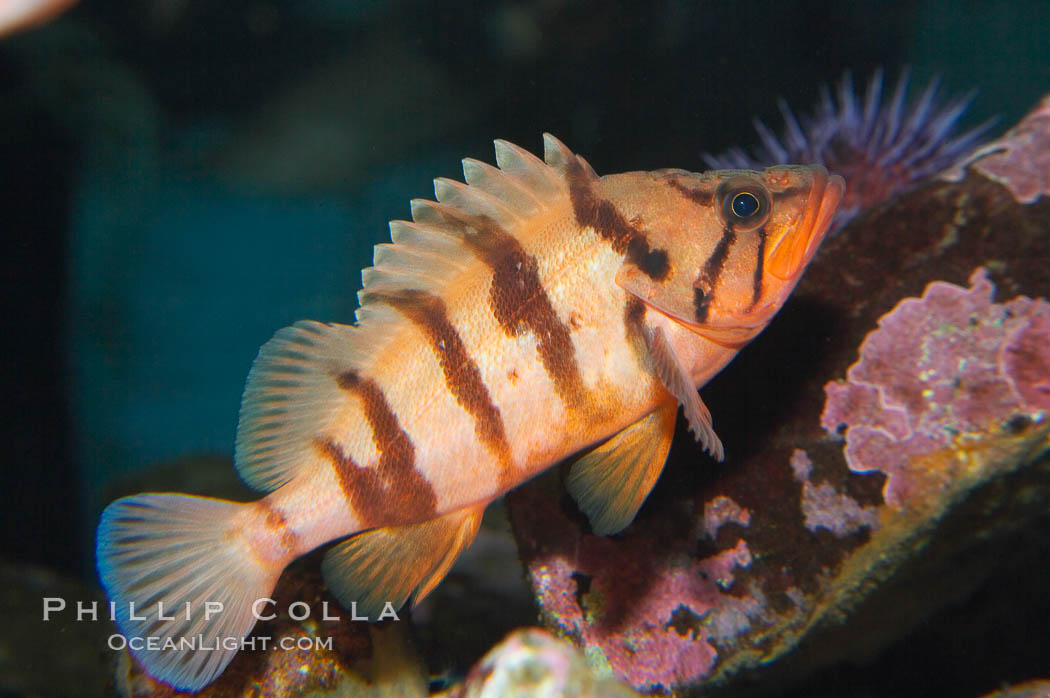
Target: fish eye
(745, 204)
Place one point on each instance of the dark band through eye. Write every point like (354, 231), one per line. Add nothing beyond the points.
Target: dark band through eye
(744, 204)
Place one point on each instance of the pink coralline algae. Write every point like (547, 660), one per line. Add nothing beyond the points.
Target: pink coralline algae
(720, 511)
(1020, 160)
(825, 507)
(654, 628)
(720, 567)
(941, 371)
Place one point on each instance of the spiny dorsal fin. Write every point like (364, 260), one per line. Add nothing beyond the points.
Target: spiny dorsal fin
(291, 394)
(560, 157)
(533, 172)
(427, 253)
(509, 189)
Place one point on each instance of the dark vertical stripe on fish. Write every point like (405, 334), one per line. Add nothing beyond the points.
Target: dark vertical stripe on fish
(364, 488)
(394, 491)
(633, 312)
(701, 304)
(633, 316)
(704, 286)
(756, 281)
(462, 377)
(591, 211)
(518, 300)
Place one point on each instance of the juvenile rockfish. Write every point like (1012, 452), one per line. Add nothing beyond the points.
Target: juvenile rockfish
(536, 312)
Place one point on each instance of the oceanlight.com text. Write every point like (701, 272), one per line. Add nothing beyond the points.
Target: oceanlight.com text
(153, 643)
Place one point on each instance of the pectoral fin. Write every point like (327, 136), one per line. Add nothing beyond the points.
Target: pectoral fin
(396, 562)
(678, 383)
(611, 482)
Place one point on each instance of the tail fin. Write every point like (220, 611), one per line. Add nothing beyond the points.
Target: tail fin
(174, 549)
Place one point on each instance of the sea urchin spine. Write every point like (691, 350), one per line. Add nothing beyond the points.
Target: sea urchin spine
(880, 148)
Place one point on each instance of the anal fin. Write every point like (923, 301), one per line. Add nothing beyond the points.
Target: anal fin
(398, 562)
(678, 383)
(611, 482)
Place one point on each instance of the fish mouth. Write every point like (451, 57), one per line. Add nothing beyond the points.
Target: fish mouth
(795, 250)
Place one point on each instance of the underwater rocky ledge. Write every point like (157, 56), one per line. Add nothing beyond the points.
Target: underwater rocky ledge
(887, 452)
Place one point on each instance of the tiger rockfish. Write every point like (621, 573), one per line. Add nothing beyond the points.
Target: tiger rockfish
(536, 312)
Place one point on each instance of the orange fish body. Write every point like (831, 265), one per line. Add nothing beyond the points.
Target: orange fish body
(536, 312)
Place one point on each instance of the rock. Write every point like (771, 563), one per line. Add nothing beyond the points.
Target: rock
(884, 456)
(951, 370)
(532, 663)
(1020, 160)
(57, 657)
(1039, 688)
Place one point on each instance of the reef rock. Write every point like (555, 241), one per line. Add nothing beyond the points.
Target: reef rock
(50, 654)
(532, 663)
(1020, 160)
(887, 445)
(942, 372)
(1029, 689)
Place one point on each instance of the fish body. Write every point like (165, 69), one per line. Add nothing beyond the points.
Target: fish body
(536, 312)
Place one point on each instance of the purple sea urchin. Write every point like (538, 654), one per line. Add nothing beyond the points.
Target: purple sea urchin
(880, 148)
